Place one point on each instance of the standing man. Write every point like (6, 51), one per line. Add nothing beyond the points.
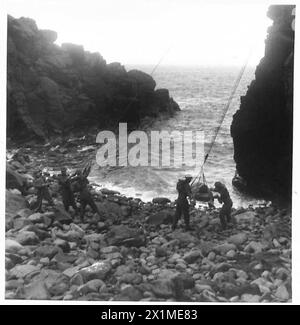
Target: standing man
(66, 191)
(84, 194)
(182, 207)
(42, 190)
(225, 212)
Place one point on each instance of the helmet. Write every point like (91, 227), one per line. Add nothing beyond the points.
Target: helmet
(188, 177)
(218, 185)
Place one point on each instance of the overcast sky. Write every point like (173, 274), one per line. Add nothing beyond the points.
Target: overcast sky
(144, 31)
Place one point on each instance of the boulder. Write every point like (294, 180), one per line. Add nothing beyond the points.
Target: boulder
(124, 236)
(27, 238)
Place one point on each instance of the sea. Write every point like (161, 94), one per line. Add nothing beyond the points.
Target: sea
(202, 94)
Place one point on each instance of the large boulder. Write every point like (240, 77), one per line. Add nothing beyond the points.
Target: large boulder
(124, 236)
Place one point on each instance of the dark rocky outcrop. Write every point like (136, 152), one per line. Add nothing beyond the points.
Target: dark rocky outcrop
(51, 89)
(262, 129)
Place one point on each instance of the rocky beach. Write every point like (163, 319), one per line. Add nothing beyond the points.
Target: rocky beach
(130, 253)
(58, 98)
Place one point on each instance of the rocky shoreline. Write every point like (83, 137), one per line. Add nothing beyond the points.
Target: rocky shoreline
(133, 255)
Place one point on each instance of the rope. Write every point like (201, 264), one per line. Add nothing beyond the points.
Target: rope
(235, 86)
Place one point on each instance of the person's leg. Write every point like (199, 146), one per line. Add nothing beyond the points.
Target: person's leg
(66, 204)
(186, 216)
(177, 215)
(228, 213)
(93, 205)
(83, 204)
(222, 216)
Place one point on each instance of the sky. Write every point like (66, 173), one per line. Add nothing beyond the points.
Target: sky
(180, 32)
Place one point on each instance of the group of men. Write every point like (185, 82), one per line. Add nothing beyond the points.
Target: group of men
(68, 184)
(185, 192)
(79, 183)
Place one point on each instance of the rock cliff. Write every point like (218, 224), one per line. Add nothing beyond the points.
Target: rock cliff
(51, 89)
(262, 129)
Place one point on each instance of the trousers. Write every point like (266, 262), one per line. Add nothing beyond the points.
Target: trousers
(182, 208)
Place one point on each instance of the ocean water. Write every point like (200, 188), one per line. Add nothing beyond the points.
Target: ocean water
(202, 93)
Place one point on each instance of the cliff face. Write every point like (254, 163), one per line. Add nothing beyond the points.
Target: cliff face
(51, 89)
(262, 129)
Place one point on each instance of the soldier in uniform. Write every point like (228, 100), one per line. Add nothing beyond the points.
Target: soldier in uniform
(225, 212)
(84, 194)
(41, 185)
(182, 207)
(64, 182)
